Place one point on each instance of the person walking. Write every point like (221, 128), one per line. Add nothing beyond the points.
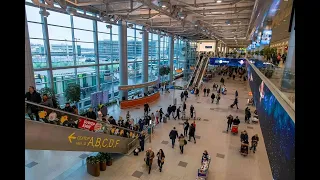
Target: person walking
(212, 97)
(141, 140)
(236, 93)
(161, 157)
(186, 127)
(149, 158)
(181, 143)
(218, 98)
(254, 143)
(247, 115)
(229, 122)
(173, 135)
(169, 110)
(185, 95)
(204, 91)
(35, 97)
(192, 130)
(178, 113)
(222, 80)
(197, 92)
(182, 96)
(235, 102)
(208, 92)
(191, 111)
(173, 110)
(157, 116)
(184, 107)
(161, 114)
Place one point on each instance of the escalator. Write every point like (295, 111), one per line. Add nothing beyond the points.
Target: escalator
(191, 81)
(64, 131)
(202, 71)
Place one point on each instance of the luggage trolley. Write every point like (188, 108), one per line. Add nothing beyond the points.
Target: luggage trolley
(204, 169)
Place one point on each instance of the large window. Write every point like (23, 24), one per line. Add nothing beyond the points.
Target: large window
(153, 65)
(61, 79)
(38, 51)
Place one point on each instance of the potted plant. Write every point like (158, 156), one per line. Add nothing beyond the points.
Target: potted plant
(108, 159)
(93, 166)
(103, 161)
(72, 93)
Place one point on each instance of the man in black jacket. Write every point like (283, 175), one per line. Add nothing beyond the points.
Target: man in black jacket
(169, 110)
(178, 113)
(186, 128)
(192, 130)
(91, 114)
(173, 135)
(68, 108)
(34, 97)
(212, 97)
(229, 122)
(173, 110)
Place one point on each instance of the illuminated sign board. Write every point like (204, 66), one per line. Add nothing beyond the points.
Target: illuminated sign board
(208, 47)
(266, 37)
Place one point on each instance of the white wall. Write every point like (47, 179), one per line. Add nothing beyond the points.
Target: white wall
(201, 46)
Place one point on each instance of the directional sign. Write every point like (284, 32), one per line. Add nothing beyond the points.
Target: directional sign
(38, 136)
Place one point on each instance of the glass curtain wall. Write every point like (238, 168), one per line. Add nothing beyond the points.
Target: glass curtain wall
(164, 54)
(153, 57)
(67, 53)
(179, 56)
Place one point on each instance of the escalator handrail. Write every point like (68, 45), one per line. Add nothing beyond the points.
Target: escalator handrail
(197, 80)
(76, 115)
(198, 72)
(204, 70)
(193, 72)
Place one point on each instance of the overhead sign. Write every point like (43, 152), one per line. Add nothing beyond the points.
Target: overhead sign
(39, 136)
(208, 47)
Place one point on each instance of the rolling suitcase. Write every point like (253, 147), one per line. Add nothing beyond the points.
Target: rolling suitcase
(164, 119)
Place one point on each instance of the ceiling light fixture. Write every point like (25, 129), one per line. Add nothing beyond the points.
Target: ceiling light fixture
(130, 26)
(219, 1)
(164, 3)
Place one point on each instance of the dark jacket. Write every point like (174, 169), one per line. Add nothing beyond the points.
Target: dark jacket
(91, 115)
(191, 130)
(204, 90)
(185, 93)
(184, 106)
(68, 109)
(178, 110)
(173, 134)
(173, 108)
(213, 96)
(34, 97)
(236, 121)
(236, 93)
(230, 120)
(186, 125)
(191, 108)
(169, 109)
(236, 101)
(182, 95)
(208, 90)
(197, 91)
(255, 138)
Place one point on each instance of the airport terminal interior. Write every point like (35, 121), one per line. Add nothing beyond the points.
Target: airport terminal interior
(159, 89)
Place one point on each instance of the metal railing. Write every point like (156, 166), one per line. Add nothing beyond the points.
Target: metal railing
(201, 71)
(198, 72)
(195, 71)
(204, 70)
(69, 119)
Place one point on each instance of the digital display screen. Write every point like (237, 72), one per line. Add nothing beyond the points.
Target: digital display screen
(208, 47)
(277, 127)
(266, 37)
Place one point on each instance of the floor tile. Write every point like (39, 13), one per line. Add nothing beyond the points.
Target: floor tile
(197, 137)
(30, 165)
(165, 142)
(137, 174)
(182, 164)
(220, 155)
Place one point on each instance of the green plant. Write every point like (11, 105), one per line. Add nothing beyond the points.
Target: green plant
(164, 70)
(92, 160)
(72, 93)
(101, 157)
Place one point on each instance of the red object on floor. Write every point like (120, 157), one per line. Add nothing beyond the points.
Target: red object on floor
(234, 129)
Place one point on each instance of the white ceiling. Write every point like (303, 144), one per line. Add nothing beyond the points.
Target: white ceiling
(210, 15)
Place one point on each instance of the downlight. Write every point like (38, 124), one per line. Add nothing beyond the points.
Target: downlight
(182, 15)
(164, 3)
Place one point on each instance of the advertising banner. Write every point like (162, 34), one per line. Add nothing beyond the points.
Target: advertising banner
(105, 97)
(86, 124)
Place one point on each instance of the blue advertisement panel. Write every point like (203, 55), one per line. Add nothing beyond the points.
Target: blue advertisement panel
(277, 127)
(234, 62)
(266, 37)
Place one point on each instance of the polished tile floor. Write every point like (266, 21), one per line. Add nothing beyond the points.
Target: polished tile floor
(226, 163)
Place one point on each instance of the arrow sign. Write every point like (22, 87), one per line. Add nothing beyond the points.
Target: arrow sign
(71, 137)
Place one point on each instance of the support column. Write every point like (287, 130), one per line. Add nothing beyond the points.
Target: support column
(29, 74)
(45, 33)
(96, 52)
(145, 53)
(216, 49)
(171, 47)
(75, 49)
(123, 59)
(288, 78)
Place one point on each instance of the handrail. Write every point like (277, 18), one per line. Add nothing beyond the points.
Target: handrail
(204, 71)
(198, 61)
(282, 99)
(76, 115)
(198, 71)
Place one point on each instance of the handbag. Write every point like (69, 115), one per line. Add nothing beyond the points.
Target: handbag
(185, 142)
